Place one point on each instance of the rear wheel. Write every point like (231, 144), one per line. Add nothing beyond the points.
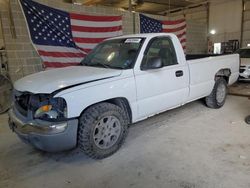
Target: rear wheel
(102, 130)
(218, 96)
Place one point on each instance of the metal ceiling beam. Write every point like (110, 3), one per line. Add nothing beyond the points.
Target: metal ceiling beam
(183, 8)
(129, 5)
(166, 4)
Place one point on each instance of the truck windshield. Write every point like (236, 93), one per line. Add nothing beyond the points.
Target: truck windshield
(116, 53)
(244, 53)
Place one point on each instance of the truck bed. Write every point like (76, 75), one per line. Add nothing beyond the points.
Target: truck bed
(200, 56)
(203, 70)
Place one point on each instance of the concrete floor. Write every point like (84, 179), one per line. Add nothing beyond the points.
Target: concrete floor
(188, 147)
(240, 89)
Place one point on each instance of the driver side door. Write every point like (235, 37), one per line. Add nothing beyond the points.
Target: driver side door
(163, 88)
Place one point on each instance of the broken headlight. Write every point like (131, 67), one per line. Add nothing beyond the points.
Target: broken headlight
(52, 109)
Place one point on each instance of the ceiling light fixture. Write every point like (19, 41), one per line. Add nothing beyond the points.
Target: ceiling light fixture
(213, 32)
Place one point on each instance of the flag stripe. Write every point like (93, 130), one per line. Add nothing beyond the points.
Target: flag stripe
(95, 24)
(86, 46)
(95, 18)
(88, 40)
(173, 26)
(60, 54)
(62, 59)
(175, 29)
(182, 41)
(181, 34)
(174, 22)
(85, 49)
(95, 29)
(96, 34)
(59, 64)
(57, 49)
(182, 38)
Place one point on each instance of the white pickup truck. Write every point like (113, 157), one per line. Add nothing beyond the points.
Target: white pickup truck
(122, 81)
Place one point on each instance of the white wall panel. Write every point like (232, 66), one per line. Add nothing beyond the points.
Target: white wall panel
(246, 24)
(225, 17)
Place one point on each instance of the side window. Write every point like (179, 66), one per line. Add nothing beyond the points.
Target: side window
(163, 48)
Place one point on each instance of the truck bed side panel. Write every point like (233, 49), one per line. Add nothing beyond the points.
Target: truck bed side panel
(203, 71)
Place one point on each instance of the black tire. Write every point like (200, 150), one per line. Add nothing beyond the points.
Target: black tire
(88, 123)
(247, 119)
(212, 100)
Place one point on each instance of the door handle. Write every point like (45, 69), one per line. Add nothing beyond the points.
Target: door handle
(179, 73)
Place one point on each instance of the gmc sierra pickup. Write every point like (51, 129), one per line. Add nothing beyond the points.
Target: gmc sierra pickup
(122, 81)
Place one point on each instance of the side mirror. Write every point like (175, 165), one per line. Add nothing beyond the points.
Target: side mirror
(152, 63)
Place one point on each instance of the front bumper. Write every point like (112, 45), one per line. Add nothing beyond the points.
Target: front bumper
(46, 136)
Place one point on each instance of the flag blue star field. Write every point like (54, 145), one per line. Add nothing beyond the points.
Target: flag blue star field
(62, 38)
(178, 27)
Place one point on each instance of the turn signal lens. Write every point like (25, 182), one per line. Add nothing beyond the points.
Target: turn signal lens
(43, 109)
(46, 108)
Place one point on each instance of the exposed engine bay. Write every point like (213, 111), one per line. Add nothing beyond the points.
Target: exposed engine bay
(40, 106)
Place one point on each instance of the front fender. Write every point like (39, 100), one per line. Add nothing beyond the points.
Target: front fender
(79, 98)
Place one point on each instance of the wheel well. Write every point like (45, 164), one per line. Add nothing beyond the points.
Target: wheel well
(121, 102)
(224, 73)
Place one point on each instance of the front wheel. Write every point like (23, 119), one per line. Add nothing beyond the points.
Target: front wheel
(102, 130)
(218, 96)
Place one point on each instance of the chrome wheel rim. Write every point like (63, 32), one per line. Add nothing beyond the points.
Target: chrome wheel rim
(106, 132)
(221, 93)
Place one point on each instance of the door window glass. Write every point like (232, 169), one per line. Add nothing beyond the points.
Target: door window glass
(162, 48)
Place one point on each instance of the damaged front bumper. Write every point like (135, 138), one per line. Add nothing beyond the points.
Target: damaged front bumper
(46, 136)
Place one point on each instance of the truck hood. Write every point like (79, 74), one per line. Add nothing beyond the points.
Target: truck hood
(245, 61)
(54, 79)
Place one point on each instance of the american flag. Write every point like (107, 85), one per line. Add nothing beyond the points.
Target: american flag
(178, 27)
(62, 38)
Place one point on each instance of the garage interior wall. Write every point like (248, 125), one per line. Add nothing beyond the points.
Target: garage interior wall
(225, 18)
(246, 24)
(1, 36)
(197, 28)
(24, 60)
(3, 4)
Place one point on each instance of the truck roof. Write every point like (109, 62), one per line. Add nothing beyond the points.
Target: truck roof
(146, 35)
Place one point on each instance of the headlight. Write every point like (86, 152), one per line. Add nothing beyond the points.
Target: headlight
(54, 108)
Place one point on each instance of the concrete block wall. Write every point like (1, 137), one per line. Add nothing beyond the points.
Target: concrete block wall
(24, 60)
